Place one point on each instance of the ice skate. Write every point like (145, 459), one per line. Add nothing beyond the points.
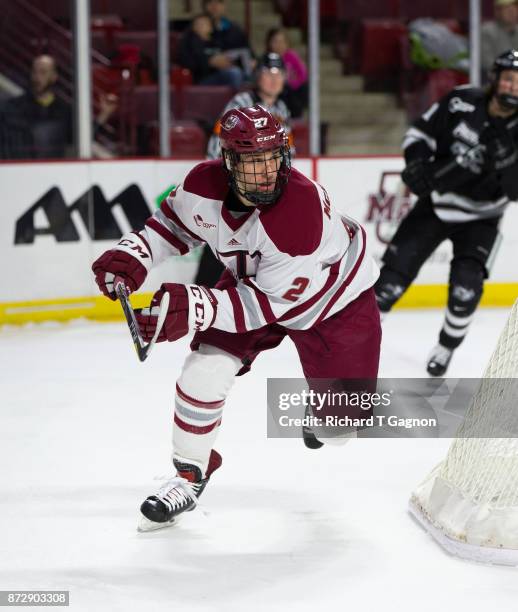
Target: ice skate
(311, 441)
(308, 435)
(439, 360)
(178, 495)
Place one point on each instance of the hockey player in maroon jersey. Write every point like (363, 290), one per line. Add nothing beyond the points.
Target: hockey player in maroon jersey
(294, 267)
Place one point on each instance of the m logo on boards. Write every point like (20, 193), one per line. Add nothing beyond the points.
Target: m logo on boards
(388, 205)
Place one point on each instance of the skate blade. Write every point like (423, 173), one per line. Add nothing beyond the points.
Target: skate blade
(145, 525)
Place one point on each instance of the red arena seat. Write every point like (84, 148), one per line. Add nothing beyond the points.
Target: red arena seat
(146, 41)
(354, 10)
(135, 14)
(186, 138)
(145, 98)
(205, 102)
(300, 133)
(380, 50)
(415, 9)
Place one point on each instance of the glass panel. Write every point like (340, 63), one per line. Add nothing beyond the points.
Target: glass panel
(36, 110)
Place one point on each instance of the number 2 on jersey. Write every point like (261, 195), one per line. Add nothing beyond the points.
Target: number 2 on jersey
(298, 287)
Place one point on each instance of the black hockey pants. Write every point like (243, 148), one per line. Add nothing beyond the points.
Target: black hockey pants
(418, 235)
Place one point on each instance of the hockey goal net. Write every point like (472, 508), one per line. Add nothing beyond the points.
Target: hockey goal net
(469, 502)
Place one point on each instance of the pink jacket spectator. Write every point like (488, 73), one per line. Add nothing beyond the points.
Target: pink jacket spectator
(297, 73)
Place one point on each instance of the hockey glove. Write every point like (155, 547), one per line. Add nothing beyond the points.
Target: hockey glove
(130, 259)
(191, 308)
(418, 176)
(500, 147)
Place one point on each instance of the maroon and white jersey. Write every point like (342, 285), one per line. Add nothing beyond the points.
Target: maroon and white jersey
(296, 262)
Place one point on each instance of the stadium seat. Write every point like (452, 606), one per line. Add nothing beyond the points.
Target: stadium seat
(357, 10)
(145, 98)
(58, 10)
(380, 52)
(300, 132)
(111, 79)
(186, 138)
(180, 77)
(101, 45)
(107, 24)
(145, 40)
(415, 9)
(135, 14)
(204, 103)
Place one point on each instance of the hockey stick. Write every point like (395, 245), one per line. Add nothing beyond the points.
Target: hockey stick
(454, 164)
(141, 347)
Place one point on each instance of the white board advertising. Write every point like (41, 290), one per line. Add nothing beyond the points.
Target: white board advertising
(371, 191)
(56, 218)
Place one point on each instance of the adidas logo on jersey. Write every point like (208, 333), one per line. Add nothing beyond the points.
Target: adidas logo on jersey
(233, 242)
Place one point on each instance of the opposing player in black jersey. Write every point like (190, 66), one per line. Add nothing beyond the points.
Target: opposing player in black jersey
(462, 163)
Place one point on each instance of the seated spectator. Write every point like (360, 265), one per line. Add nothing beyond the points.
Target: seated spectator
(499, 35)
(296, 89)
(229, 37)
(38, 124)
(203, 57)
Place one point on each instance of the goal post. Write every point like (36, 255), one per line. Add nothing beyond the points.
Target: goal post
(469, 502)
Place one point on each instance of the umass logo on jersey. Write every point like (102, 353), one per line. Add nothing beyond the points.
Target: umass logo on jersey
(388, 205)
(101, 218)
(201, 223)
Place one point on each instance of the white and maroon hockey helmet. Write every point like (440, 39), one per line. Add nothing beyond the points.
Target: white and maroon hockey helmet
(255, 153)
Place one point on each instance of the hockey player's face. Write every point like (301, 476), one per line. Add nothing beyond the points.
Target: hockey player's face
(257, 172)
(508, 82)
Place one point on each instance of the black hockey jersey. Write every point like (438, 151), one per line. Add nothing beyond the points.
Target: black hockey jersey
(453, 130)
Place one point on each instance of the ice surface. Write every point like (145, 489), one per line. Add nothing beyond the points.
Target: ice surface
(84, 428)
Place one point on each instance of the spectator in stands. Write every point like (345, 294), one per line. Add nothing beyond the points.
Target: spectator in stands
(499, 35)
(38, 124)
(229, 37)
(203, 57)
(296, 89)
(270, 77)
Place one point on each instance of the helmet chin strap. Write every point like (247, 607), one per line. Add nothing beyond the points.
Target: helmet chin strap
(507, 101)
(255, 197)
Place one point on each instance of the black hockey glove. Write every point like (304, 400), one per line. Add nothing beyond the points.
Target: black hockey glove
(418, 176)
(500, 147)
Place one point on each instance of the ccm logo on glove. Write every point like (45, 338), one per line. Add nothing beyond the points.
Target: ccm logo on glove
(198, 306)
(202, 307)
(130, 260)
(191, 308)
(134, 247)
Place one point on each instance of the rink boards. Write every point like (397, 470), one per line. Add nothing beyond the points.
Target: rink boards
(56, 218)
